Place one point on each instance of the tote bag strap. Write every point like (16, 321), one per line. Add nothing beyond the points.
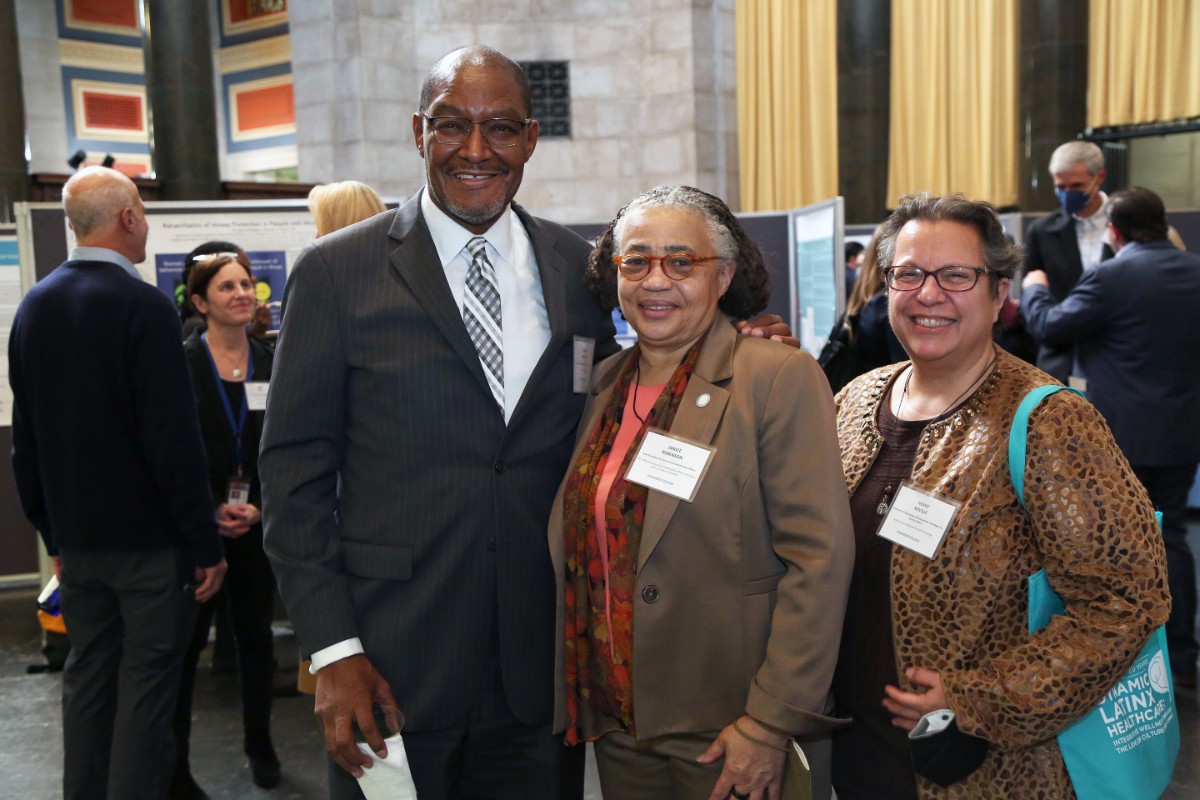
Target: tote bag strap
(1019, 431)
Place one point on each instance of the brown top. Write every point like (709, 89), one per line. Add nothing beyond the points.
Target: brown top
(867, 658)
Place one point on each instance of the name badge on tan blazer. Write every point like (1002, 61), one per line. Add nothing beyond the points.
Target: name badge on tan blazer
(670, 464)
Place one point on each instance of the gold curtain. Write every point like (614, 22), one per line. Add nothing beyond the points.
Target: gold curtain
(1143, 61)
(954, 99)
(787, 102)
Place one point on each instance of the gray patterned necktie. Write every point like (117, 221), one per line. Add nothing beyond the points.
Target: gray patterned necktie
(481, 313)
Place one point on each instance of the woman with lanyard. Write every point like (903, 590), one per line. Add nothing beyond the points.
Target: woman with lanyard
(230, 374)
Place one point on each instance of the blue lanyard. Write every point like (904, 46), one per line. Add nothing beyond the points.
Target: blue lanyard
(238, 426)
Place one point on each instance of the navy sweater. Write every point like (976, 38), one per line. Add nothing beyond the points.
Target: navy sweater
(106, 444)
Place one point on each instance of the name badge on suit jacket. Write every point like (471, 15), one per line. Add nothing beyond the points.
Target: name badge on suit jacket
(581, 375)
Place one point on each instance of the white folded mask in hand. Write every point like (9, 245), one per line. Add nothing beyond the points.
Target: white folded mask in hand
(388, 778)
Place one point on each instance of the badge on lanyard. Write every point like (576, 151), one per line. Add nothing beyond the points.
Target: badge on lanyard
(238, 493)
(918, 520)
(256, 395)
(670, 464)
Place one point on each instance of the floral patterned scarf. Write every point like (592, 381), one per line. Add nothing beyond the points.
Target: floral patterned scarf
(599, 666)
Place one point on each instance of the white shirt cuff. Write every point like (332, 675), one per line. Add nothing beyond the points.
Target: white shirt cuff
(335, 652)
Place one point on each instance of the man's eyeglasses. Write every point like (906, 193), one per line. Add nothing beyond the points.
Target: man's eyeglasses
(676, 266)
(498, 132)
(951, 279)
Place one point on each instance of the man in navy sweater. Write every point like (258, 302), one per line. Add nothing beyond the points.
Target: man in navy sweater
(111, 471)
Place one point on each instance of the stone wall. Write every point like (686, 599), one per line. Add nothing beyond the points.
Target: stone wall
(652, 92)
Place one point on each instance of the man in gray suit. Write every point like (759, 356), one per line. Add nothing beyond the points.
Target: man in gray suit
(1134, 323)
(1065, 243)
(407, 476)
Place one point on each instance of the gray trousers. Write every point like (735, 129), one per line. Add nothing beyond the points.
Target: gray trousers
(128, 617)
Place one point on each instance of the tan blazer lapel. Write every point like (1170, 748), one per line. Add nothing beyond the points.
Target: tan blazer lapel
(694, 421)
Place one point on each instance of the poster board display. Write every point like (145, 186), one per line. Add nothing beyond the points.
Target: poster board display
(818, 275)
(272, 233)
(10, 298)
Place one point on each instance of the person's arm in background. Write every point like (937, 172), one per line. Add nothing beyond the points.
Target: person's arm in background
(25, 462)
(165, 407)
(1078, 316)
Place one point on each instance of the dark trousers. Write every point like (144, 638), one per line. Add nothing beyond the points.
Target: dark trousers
(490, 755)
(1168, 489)
(249, 593)
(128, 615)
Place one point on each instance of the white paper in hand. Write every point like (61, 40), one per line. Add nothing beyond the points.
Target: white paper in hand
(388, 778)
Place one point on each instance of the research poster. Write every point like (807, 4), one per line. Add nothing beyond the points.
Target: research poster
(818, 272)
(272, 240)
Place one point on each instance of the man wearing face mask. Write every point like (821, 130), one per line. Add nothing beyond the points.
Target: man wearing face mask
(1071, 239)
(1136, 333)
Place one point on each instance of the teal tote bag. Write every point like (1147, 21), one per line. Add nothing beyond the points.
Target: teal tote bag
(1125, 747)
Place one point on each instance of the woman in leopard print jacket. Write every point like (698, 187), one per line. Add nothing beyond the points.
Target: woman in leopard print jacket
(950, 632)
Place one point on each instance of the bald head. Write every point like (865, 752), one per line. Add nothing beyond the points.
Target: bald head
(476, 55)
(105, 210)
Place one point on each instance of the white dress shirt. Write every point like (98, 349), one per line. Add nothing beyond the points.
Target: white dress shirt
(1090, 231)
(522, 308)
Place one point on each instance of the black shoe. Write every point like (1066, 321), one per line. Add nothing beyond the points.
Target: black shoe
(184, 787)
(264, 764)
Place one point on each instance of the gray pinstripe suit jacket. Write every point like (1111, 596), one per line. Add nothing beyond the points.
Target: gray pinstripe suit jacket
(399, 507)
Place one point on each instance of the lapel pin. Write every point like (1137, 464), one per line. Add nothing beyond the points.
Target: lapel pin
(703, 400)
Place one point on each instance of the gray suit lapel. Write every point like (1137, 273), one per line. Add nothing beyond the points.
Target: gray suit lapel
(415, 259)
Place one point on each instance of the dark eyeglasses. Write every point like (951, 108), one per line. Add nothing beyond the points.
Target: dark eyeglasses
(951, 279)
(498, 132)
(676, 266)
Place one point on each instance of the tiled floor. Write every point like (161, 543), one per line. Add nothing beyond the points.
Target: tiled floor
(31, 737)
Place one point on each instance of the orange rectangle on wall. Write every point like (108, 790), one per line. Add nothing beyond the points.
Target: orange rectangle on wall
(118, 111)
(121, 13)
(242, 10)
(265, 108)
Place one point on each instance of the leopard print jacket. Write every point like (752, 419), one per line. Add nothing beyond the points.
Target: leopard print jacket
(963, 613)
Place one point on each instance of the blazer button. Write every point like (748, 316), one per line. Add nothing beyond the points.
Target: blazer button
(492, 544)
(650, 594)
(498, 466)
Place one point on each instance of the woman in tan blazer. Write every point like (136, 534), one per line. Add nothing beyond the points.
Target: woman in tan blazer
(697, 636)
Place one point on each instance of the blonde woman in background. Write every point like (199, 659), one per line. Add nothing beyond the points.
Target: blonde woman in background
(336, 205)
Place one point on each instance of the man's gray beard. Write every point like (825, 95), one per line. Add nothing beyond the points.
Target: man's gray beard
(476, 216)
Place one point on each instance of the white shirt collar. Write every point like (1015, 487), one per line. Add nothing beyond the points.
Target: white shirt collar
(1099, 219)
(105, 255)
(450, 237)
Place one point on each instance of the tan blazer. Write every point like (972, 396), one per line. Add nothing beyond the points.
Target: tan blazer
(740, 593)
